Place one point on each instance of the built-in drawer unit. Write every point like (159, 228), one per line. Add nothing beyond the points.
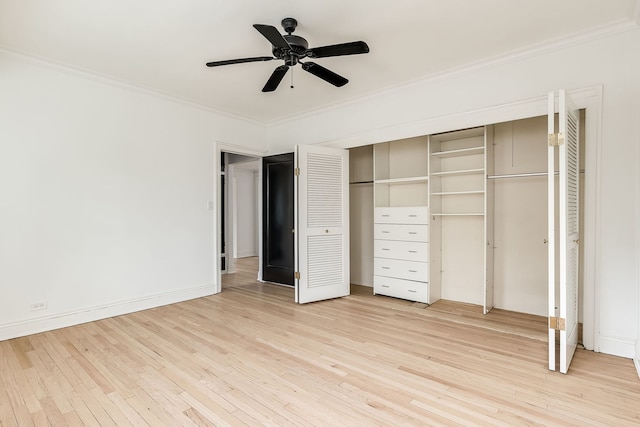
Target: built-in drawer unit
(410, 251)
(401, 215)
(401, 252)
(399, 288)
(409, 233)
(410, 270)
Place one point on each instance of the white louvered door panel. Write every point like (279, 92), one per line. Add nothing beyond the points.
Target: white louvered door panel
(568, 225)
(569, 228)
(322, 223)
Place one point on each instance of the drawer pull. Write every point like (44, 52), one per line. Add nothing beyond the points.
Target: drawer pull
(413, 252)
(385, 268)
(386, 249)
(385, 232)
(412, 271)
(413, 290)
(385, 286)
(413, 216)
(413, 232)
(386, 215)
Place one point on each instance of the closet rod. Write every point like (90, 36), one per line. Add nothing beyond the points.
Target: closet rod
(361, 182)
(520, 175)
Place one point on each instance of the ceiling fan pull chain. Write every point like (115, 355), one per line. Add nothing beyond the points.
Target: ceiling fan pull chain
(291, 77)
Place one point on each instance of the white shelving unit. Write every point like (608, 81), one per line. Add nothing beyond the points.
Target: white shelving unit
(401, 220)
(461, 202)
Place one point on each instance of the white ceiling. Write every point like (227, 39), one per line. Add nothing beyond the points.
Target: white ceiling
(162, 45)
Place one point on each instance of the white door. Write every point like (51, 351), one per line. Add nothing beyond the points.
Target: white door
(566, 142)
(322, 223)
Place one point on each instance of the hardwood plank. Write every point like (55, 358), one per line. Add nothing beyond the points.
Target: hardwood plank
(250, 356)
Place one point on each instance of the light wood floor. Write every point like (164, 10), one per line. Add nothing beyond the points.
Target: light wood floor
(250, 356)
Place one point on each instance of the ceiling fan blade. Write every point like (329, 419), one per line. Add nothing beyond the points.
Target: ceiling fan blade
(352, 48)
(275, 79)
(272, 34)
(239, 61)
(325, 74)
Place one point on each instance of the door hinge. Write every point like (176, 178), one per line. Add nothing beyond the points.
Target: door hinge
(556, 139)
(296, 171)
(297, 275)
(557, 323)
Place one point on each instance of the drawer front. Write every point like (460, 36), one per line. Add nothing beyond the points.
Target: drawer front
(409, 233)
(398, 288)
(403, 215)
(409, 251)
(410, 270)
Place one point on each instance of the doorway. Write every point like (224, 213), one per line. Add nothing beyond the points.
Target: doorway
(278, 261)
(239, 217)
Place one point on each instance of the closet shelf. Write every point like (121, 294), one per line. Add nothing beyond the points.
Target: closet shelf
(459, 172)
(456, 193)
(459, 152)
(409, 180)
(459, 214)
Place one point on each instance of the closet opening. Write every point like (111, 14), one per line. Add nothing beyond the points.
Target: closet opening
(486, 193)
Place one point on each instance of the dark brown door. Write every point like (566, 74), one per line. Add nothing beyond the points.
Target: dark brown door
(277, 219)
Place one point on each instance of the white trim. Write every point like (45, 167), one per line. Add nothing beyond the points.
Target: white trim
(247, 254)
(90, 314)
(112, 81)
(617, 27)
(219, 148)
(230, 223)
(523, 109)
(636, 360)
(593, 160)
(617, 346)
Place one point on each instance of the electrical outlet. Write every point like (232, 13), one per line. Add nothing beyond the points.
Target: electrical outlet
(39, 305)
(210, 205)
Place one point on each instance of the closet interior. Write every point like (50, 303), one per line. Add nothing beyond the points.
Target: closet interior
(460, 216)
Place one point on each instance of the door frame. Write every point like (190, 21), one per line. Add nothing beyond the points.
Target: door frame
(220, 148)
(587, 98)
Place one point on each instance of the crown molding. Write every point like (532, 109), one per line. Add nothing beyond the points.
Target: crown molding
(112, 81)
(596, 33)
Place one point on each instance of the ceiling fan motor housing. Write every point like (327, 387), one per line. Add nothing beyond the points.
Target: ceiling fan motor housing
(298, 49)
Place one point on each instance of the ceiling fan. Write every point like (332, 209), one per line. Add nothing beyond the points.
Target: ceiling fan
(291, 49)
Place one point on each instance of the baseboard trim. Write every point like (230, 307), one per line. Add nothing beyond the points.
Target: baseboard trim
(636, 362)
(247, 254)
(617, 347)
(72, 318)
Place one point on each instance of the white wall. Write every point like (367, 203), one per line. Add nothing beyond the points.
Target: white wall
(246, 211)
(444, 103)
(103, 196)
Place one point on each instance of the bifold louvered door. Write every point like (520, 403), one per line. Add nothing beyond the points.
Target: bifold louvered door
(322, 223)
(566, 142)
